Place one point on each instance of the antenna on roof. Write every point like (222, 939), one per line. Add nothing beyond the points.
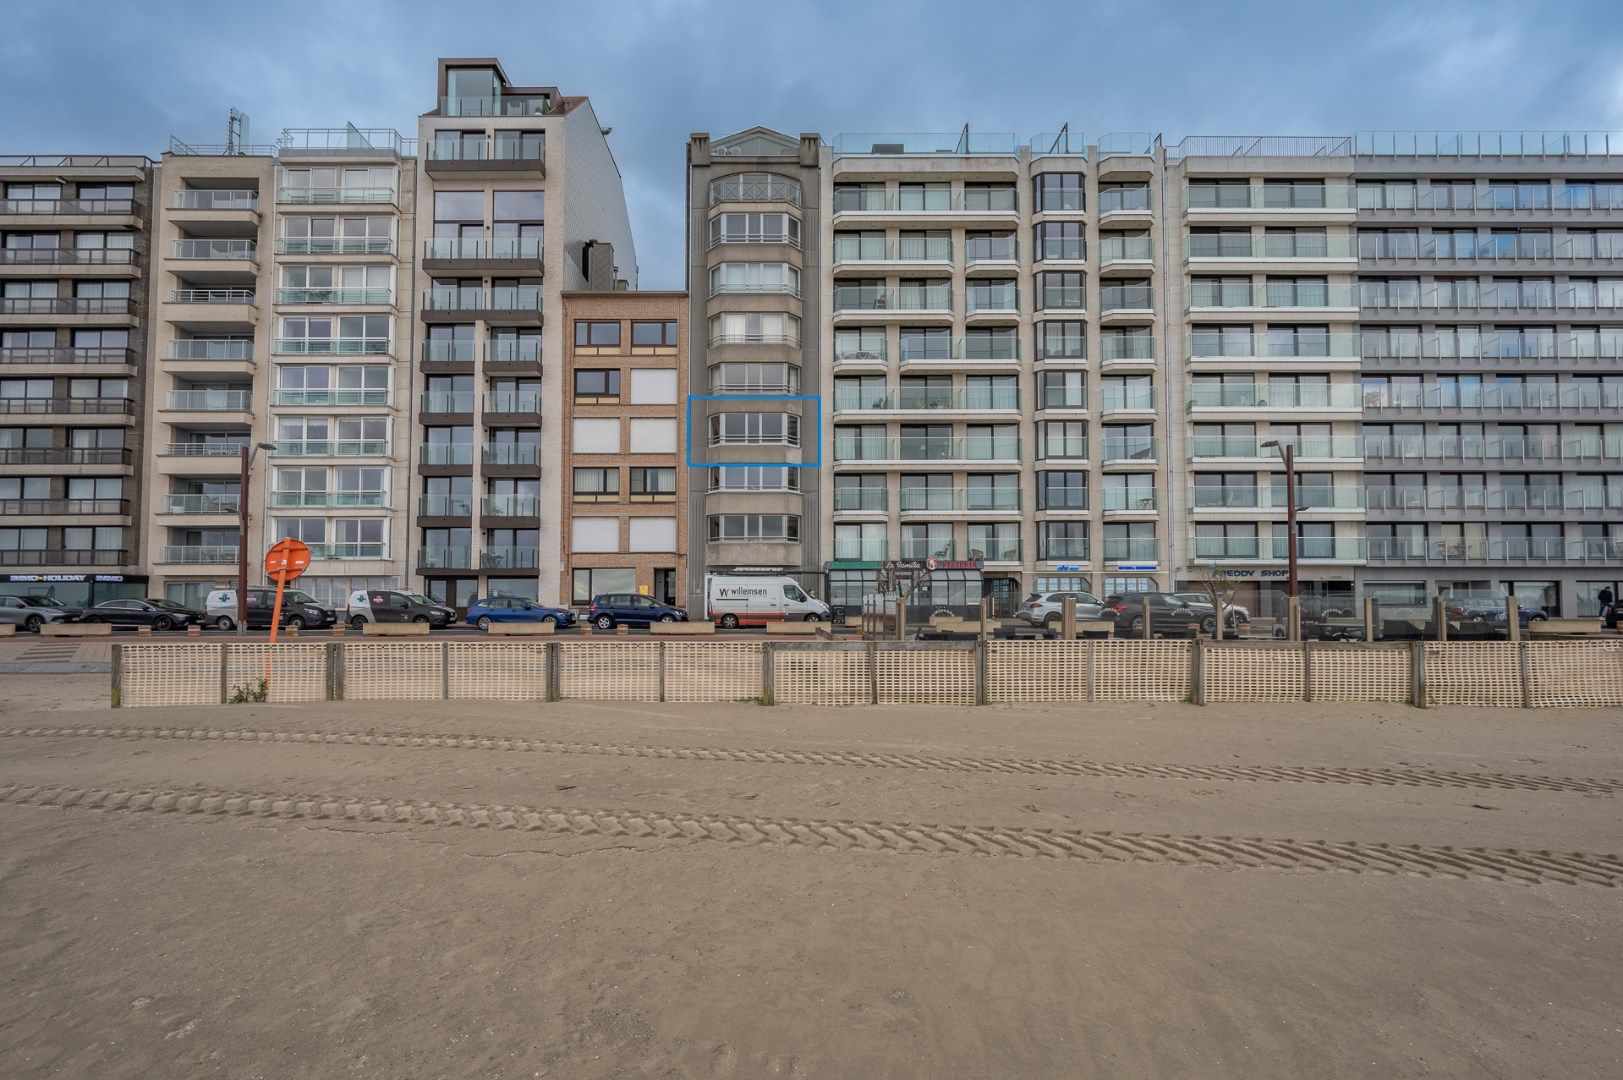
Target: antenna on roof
(236, 131)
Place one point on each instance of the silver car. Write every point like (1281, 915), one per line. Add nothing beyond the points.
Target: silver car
(1046, 609)
(32, 612)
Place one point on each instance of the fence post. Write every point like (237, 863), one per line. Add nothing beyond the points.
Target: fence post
(1200, 670)
(118, 675)
(662, 670)
(552, 671)
(768, 691)
(901, 617)
(1307, 671)
(225, 672)
(1513, 617)
(1525, 666)
(332, 655)
(1417, 674)
(1067, 619)
(1293, 617)
(445, 670)
(986, 611)
(1093, 652)
(1369, 620)
(1440, 617)
(980, 671)
(1149, 632)
(873, 673)
(1222, 619)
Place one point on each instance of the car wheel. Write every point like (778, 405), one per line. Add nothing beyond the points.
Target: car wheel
(1208, 626)
(33, 623)
(814, 617)
(604, 622)
(162, 623)
(419, 618)
(225, 624)
(550, 619)
(91, 619)
(1135, 625)
(1051, 621)
(1540, 617)
(357, 621)
(296, 623)
(483, 622)
(667, 618)
(729, 621)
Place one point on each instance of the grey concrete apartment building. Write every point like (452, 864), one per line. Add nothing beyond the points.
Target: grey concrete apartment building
(74, 252)
(1078, 362)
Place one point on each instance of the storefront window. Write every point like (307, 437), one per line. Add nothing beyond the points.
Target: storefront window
(525, 588)
(603, 579)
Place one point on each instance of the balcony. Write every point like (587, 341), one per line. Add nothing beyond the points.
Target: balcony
(926, 547)
(1317, 448)
(521, 351)
(862, 500)
(445, 558)
(1062, 249)
(1125, 201)
(940, 349)
(1277, 549)
(1498, 552)
(1119, 550)
(333, 346)
(1118, 299)
(1272, 298)
(1575, 350)
(997, 302)
(67, 207)
(512, 454)
(219, 448)
(1132, 500)
(754, 187)
(1501, 300)
(225, 200)
(500, 255)
(933, 299)
(760, 237)
(192, 503)
(304, 500)
(863, 355)
(499, 105)
(1002, 252)
(64, 305)
(508, 303)
(993, 550)
(440, 505)
(64, 406)
(1283, 199)
(448, 401)
(336, 196)
(359, 550)
(1220, 349)
(1251, 497)
(1557, 401)
(1119, 248)
(1134, 449)
(1125, 399)
(510, 506)
(66, 257)
(1127, 349)
(53, 355)
(1063, 548)
(513, 403)
(1000, 205)
(334, 245)
(860, 550)
(355, 397)
(62, 507)
(332, 448)
(1270, 247)
(1333, 397)
(937, 500)
(1064, 298)
(510, 156)
(67, 557)
(215, 250)
(212, 349)
(64, 455)
(1489, 253)
(1002, 448)
(1511, 452)
(223, 299)
(910, 399)
(208, 399)
(865, 251)
(1534, 501)
(209, 554)
(334, 296)
(510, 558)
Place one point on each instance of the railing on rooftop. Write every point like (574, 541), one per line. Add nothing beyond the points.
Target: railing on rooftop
(346, 138)
(1128, 143)
(1488, 144)
(498, 105)
(1261, 146)
(952, 142)
(73, 161)
(1055, 143)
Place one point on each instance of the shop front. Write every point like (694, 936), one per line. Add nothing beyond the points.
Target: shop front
(76, 590)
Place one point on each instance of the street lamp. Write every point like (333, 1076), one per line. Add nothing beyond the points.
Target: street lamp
(1289, 451)
(248, 455)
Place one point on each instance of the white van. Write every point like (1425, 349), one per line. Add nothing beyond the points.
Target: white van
(757, 599)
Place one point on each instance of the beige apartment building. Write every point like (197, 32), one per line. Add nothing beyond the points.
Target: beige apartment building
(624, 519)
(75, 243)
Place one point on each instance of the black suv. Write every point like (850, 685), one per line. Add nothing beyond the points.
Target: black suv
(1168, 614)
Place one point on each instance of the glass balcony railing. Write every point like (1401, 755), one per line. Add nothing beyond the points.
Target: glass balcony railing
(333, 346)
(216, 199)
(442, 557)
(1061, 447)
(860, 200)
(1128, 499)
(991, 249)
(333, 296)
(67, 256)
(1126, 298)
(1478, 448)
(212, 554)
(855, 352)
(1497, 248)
(921, 349)
(1344, 396)
(1323, 447)
(859, 249)
(1113, 200)
(41, 406)
(501, 298)
(1288, 197)
(1127, 448)
(1063, 547)
(1118, 399)
(860, 550)
(208, 400)
(510, 402)
(67, 206)
(928, 448)
(497, 105)
(1503, 346)
(358, 550)
(512, 454)
(907, 398)
(1126, 347)
(859, 500)
(215, 249)
(1270, 245)
(1315, 345)
(308, 499)
(1133, 550)
(901, 298)
(1062, 297)
(1274, 297)
(442, 505)
(992, 548)
(928, 547)
(330, 396)
(1063, 249)
(1505, 399)
(509, 558)
(510, 148)
(1523, 297)
(63, 355)
(518, 351)
(332, 447)
(334, 245)
(328, 196)
(202, 504)
(1270, 548)
(447, 453)
(1117, 247)
(1252, 497)
(448, 401)
(943, 500)
(1512, 499)
(979, 297)
(518, 248)
(506, 506)
(1505, 551)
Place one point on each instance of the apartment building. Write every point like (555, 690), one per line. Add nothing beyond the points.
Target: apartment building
(1073, 361)
(624, 518)
(283, 329)
(519, 200)
(757, 249)
(74, 251)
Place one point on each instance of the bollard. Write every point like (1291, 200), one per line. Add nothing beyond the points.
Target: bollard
(1513, 617)
(143, 630)
(338, 629)
(1067, 619)
(291, 631)
(1149, 632)
(623, 630)
(1369, 619)
(1222, 619)
(1440, 615)
(194, 630)
(1293, 618)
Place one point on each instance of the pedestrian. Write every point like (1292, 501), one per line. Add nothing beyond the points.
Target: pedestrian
(1604, 598)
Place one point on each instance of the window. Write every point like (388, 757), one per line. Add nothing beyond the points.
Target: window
(653, 386)
(1062, 389)
(597, 386)
(595, 435)
(1059, 191)
(652, 484)
(594, 534)
(602, 580)
(1062, 439)
(596, 334)
(653, 435)
(1062, 539)
(653, 333)
(1061, 240)
(754, 229)
(748, 328)
(749, 377)
(754, 528)
(741, 428)
(1062, 490)
(596, 485)
(754, 478)
(517, 206)
(652, 534)
(1061, 341)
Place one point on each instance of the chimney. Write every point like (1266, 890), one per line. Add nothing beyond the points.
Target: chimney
(599, 268)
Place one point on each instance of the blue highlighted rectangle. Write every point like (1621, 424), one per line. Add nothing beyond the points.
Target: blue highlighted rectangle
(687, 431)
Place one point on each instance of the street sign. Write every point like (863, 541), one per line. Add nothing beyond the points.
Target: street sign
(286, 560)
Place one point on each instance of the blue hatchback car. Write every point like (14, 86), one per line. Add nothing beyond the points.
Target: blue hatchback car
(630, 609)
(508, 609)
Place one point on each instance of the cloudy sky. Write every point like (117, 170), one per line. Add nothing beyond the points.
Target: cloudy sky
(121, 77)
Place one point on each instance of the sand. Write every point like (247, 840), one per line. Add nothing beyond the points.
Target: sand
(591, 890)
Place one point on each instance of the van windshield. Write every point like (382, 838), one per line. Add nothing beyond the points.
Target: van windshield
(792, 592)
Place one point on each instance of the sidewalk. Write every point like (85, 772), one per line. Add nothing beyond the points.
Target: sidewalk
(26, 654)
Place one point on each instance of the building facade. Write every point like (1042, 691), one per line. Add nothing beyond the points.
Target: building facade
(74, 254)
(624, 520)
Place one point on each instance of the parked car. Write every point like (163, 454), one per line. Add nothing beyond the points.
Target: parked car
(1489, 611)
(1047, 609)
(630, 609)
(1236, 613)
(514, 609)
(734, 599)
(299, 609)
(32, 612)
(158, 614)
(1165, 610)
(393, 606)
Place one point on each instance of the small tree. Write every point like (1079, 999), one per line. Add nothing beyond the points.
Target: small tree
(1220, 585)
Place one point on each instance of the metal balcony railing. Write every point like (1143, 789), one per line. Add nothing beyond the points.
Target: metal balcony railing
(208, 399)
(860, 500)
(212, 554)
(211, 349)
(308, 499)
(330, 396)
(858, 249)
(64, 305)
(215, 448)
(942, 500)
(505, 506)
(333, 346)
(63, 557)
(56, 507)
(334, 296)
(216, 199)
(754, 187)
(64, 355)
(334, 245)
(333, 448)
(193, 503)
(327, 196)
(67, 207)
(909, 398)
(66, 256)
(241, 250)
(212, 296)
(64, 406)
(65, 455)
(1344, 396)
